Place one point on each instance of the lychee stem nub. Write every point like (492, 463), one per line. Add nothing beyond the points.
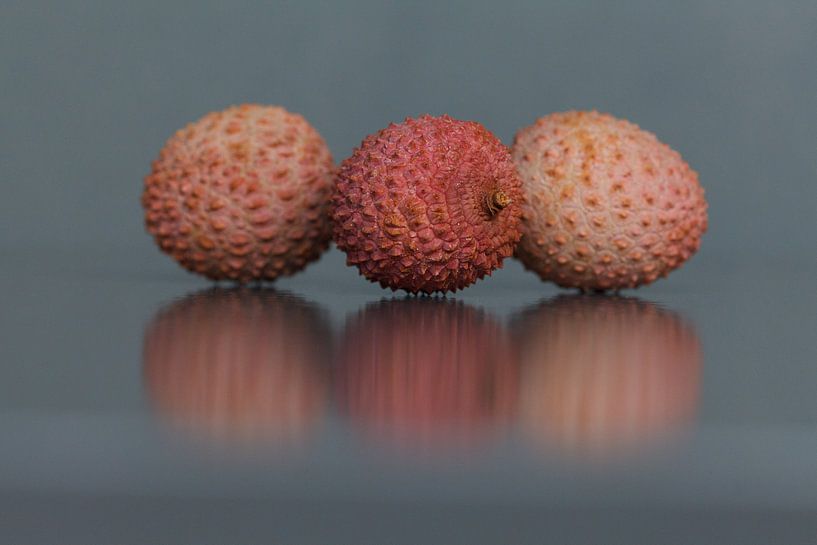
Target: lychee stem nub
(496, 201)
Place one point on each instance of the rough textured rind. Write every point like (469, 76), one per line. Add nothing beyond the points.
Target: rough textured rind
(239, 365)
(607, 206)
(242, 194)
(426, 372)
(605, 375)
(430, 204)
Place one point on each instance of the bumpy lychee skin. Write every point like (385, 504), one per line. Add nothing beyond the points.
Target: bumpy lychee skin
(431, 204)
(607, 206)
(242, 194)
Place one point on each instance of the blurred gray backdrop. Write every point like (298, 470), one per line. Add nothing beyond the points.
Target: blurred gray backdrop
(91, 89)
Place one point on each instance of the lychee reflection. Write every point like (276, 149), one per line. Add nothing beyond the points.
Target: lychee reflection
(426, 374)
(245, 366)
(589, 375)
(604, 375)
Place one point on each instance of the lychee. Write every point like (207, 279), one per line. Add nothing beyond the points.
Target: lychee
(605, 376)
(239, 365)
(431, 204)
(426, 373)
(242, 194)
(607, 206)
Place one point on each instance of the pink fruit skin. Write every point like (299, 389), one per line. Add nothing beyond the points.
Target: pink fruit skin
(607, 205)
(428, 205)
(242, 194)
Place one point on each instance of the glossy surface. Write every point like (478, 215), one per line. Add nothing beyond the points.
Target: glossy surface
(154, 407)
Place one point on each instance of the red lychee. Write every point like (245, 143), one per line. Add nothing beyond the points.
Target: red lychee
(431, 204)
(242, 194)
(239, 365)
(605, 376)
(607, 206)
(426, 373)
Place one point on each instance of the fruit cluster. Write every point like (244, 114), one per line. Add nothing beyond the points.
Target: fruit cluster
(428, 205)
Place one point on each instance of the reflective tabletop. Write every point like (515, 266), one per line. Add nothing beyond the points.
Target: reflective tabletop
(143, 402)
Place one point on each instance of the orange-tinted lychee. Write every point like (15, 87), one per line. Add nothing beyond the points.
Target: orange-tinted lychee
(242, 194)
(607, 206)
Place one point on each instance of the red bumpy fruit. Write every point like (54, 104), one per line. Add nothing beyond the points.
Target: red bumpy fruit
(431, 204)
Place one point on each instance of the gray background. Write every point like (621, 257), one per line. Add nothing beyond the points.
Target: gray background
(89, 92)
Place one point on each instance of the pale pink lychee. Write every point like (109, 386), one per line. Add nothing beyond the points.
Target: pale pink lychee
(607, 205)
